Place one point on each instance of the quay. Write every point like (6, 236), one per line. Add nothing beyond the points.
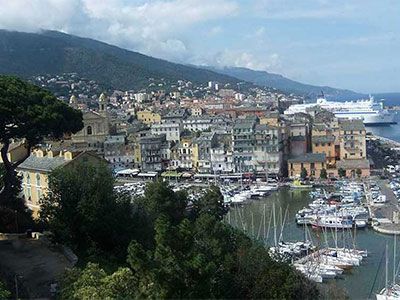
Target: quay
(391, 143)
(385, 216)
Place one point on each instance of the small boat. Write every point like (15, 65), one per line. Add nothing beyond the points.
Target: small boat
(331, 221)
(300, 185)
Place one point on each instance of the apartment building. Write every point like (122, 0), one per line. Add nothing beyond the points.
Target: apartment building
(35, 170)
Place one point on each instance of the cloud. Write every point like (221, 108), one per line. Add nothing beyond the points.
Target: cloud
(216, 30)
(305, 9)
(257, 34)
(149, 27)
(245, 59)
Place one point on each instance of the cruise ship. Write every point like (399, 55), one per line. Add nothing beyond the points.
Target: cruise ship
(369, 110)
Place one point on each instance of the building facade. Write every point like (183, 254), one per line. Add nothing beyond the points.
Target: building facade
(35, 171)
(312, 163)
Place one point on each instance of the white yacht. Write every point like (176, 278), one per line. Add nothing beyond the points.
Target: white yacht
(369, 110)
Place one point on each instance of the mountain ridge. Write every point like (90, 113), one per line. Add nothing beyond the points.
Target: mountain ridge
(53, 52)
(264, 78)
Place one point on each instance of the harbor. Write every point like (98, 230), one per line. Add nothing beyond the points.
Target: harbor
(361, 282)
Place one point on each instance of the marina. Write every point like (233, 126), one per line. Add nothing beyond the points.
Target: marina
(335, 234)
(361, 282)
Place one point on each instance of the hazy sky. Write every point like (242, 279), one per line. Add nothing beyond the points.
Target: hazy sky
(351, 44)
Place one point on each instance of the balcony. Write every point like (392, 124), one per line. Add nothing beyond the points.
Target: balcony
(349, 146)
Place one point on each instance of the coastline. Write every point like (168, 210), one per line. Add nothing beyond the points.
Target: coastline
(388, 141)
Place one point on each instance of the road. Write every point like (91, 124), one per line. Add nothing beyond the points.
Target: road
(383, 212)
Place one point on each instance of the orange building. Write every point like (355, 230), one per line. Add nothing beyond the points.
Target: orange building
(325, 145)
(312, 162)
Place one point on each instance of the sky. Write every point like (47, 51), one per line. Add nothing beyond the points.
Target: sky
(353, 44)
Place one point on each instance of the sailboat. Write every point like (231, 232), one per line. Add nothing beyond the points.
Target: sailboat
(392, 291)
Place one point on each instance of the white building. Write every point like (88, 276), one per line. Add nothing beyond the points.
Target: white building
(197, 123)
(171, 130)
(221, 160)
(239, 96)
(141, 97)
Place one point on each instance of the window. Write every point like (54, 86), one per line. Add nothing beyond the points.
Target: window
(37, 179)
(39, 194)
(89, 130)
(28, 194)
(28, 178)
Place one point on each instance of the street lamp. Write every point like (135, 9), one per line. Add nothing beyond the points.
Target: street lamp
(16, 277)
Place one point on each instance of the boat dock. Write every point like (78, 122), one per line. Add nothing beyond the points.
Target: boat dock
(385, 216)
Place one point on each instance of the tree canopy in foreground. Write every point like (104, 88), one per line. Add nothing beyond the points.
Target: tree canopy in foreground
(31, 114)
(175, 252)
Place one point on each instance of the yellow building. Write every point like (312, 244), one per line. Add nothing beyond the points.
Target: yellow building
(313, 163)
(352, 139)
(197, 111)
(148, 117)
(325, 144)
(272, 119)
(16, 151)
(36, 168)
(353, 149)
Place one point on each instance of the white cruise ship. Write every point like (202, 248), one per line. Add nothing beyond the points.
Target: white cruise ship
(370, 111)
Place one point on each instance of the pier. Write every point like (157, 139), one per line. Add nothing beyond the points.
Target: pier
(383, 215)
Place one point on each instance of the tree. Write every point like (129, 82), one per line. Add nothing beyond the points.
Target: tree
(342, 172)
(131, 119)
(303, 173)
(15, 216)
(4, 294)
(212, 203)
(94, 283)
(29, 113)
(193, 256)
(160, 198)
(359, 172)
(323, 174)
(83, 210)
(202, 257)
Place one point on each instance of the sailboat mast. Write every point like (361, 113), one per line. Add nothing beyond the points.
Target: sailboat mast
(394, 260)
(273, 209)
(264, 224)
(386, 272)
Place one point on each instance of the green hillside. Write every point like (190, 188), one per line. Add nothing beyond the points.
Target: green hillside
(51, 52)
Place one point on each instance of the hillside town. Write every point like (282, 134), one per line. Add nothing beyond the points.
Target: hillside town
(224, 135)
